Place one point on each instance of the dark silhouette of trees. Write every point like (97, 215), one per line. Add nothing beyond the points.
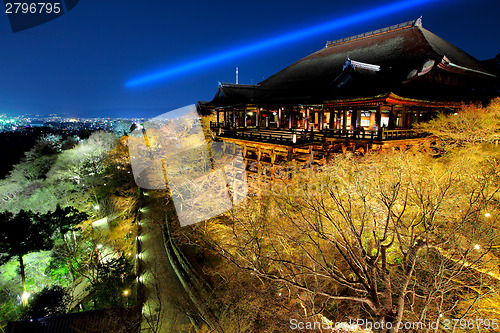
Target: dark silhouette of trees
(50, 301)
(65, 219)
(21, 234)
(110, 281)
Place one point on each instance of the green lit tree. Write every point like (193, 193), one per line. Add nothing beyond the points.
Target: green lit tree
(21, 234)
(111, 281)
(64, 220)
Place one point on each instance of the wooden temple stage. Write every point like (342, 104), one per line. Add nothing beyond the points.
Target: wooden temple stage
(362, 93)
(267, 152)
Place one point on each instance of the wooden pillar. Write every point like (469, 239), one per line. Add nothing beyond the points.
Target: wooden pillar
(378, 122)
(373, 123)
(404, 118)
(321, 118)
(378, 117)
(333, 116)
(290, 118)
(279, 118)
(225, 117)
(234, 118)
(257, 118)
(354, 117)
(306, 122)
(344, 119)
(245, 117)
(267, 118)
(218, 118)
(392, 118)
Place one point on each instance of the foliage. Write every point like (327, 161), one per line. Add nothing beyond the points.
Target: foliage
(86, 161)
(375, 232)
(65, 219)
(470, 126)
(38, 276)
(21, 234)
(45, 181)
(385, 237)
(50, 301)
(109, 279)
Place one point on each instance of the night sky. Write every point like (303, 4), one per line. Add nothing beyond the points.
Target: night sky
(79, 63)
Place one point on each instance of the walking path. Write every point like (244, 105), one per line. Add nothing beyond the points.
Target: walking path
(165, 299)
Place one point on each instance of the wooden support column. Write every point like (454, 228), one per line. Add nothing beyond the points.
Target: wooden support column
(354, 117)
(372, 121)
(344, 119)
(234, 119)
(378, 122)
(279, 118)
(290, 118)
(257, 118)
(267, 118)
(333, 117)
(306, 122)
(321, 118)
(245, 117)
(392, 118)
(404, 119)
(378, 117)
(217, 117)
(225, 117)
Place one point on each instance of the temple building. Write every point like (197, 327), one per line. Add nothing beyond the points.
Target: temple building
(371, 87)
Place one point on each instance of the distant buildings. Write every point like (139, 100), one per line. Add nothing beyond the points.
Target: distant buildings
(65, 125)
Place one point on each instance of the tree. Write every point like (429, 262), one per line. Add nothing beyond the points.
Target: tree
(51, 301)
(21, 234)
(62, 221)
(65, 219)
(390, 237)
(110, 281)
(471, 125)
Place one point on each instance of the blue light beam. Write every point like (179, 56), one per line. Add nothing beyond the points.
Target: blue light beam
(275, 41)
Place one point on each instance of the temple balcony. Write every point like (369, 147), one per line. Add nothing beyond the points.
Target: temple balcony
(297, 137)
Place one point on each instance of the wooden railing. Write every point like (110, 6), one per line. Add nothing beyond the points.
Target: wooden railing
(377, 135)
(274, 138)
(286, 137)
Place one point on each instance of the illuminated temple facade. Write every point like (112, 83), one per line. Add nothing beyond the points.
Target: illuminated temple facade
(374, 87)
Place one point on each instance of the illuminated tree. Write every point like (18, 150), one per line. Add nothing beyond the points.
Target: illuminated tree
(388, 236)
(63, 220)
(471, 125)
(21, 234)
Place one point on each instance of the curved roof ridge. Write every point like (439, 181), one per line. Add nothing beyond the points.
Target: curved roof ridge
(404, 25)
(237, 85)
(453, 53)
